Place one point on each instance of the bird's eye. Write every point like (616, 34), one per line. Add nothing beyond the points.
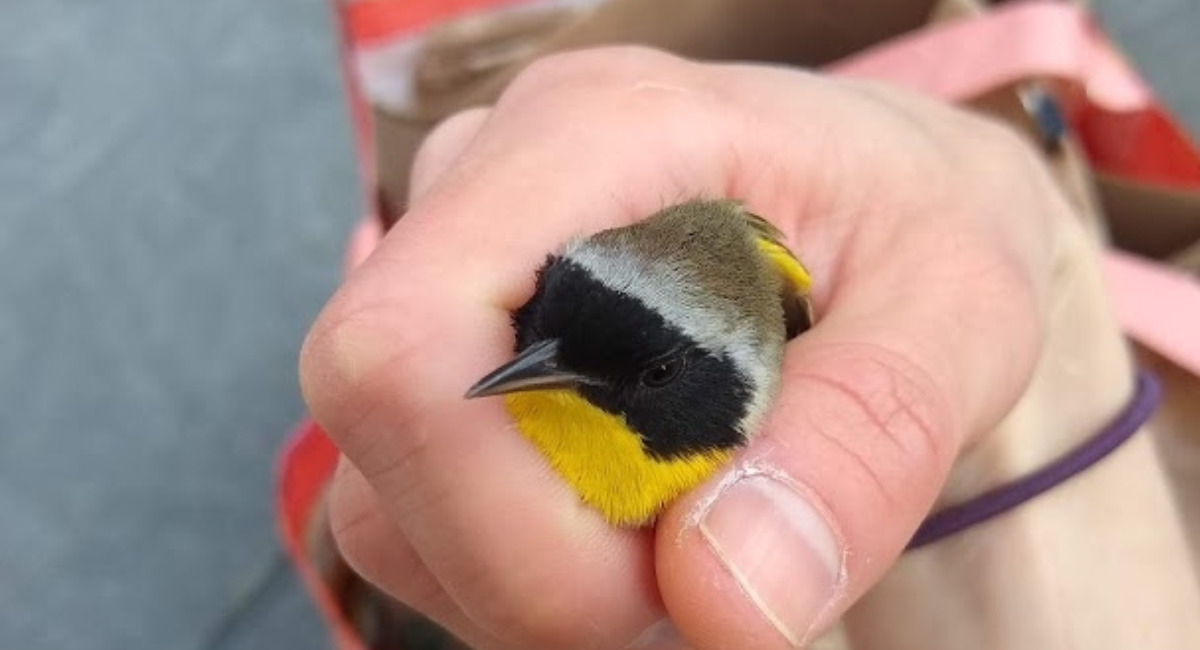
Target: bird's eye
(663, 372)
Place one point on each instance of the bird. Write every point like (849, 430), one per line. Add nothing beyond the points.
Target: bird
(650, 353)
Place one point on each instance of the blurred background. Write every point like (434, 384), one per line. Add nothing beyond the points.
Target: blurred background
(176, 181)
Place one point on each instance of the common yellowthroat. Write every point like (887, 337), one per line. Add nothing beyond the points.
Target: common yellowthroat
(649, 353)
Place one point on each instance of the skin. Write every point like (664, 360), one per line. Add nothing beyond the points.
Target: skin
(932, 237)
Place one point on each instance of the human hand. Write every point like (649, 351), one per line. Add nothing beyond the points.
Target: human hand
(931, 236)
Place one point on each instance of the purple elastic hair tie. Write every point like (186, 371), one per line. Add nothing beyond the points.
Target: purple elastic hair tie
(1006, 497)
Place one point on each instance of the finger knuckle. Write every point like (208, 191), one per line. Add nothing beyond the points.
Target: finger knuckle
(532, 615)
(1000, 147)
(586, 68)
(445, 141)
(353, 524)
(556, 73)
(373, 547)
(353, 354)
(883, 414)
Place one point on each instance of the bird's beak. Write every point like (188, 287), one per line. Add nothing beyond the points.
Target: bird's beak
(534, 369)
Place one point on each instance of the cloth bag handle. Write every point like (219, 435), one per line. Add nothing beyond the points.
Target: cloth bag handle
(1125, 131)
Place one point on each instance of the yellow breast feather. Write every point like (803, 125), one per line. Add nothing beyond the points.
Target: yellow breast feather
(602, 458)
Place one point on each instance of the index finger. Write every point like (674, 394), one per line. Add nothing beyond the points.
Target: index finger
(387, 363)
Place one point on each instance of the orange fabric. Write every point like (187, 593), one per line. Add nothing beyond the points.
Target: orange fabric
(363, 23)
(1146, 145)
(360, 112)
(371, 21)
(305, 468)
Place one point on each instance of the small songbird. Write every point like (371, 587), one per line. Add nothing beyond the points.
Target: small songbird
(649, 353)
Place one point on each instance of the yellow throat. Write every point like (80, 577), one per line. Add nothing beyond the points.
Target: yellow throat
(598, 454)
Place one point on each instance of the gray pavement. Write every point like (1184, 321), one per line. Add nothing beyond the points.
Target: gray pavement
(176, 179)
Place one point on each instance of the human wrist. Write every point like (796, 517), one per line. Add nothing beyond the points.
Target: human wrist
(1095, 562)
(1100, 562)
(1085, 376)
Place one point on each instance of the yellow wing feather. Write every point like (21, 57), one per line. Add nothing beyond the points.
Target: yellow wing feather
(797, 280)
(788, 266)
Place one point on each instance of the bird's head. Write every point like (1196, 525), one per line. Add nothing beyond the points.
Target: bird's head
(636, 343)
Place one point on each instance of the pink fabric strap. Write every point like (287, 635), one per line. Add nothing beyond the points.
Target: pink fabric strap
(1044, 39)
(1015, 42)
(1158, 306)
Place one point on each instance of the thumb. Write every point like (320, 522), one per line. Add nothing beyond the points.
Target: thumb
(877, 401)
